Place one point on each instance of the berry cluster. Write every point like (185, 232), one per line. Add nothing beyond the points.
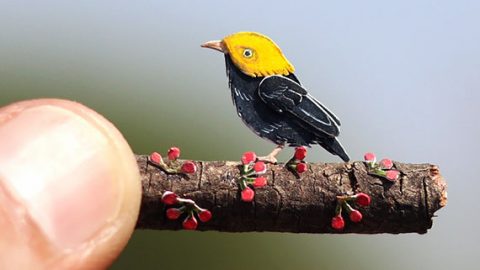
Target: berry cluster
(251, 175)
(297, 163)
(343, 202)
(382, 168)
(185, 206)
(173, 165)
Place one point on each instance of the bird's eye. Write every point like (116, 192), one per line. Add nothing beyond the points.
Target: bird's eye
(247, 53)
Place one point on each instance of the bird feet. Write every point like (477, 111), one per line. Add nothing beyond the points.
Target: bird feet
(268, 159)
(271, 158)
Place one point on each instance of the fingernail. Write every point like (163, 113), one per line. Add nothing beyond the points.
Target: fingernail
(58, 165)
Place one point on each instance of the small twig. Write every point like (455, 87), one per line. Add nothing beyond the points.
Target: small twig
(289, 203)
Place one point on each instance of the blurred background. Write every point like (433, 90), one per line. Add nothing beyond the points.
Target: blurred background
(403, 76)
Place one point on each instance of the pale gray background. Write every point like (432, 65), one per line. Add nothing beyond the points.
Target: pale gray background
(403, 76)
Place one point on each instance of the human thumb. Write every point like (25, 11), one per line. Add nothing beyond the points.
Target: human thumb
(69, 187)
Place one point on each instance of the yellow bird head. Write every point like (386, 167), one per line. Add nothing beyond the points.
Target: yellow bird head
(253, 53)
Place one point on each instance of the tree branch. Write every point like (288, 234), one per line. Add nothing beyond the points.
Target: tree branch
(304, 204)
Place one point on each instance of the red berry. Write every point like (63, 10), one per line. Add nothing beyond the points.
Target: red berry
(301, 167)
(204, 215)
(355, 216)
(248, 157)
(370, 157)
(338, 223)
(300, 153)
(362, 199)
(173, 213)
(386, 163)
(169, 198)
(173, 153)
(155, 158)
(190, 223)
(392, 175)
(260, 182)
(260, 167)
(189, 167)
(248, 194)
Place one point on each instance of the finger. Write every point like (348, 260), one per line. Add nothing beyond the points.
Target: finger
(69, 187)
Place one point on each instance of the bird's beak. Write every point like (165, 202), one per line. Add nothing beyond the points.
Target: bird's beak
(214, 44)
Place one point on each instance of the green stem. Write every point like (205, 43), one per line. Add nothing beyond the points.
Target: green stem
(245, 169)
(186, 201)
(249, 180)
(351, 198)
(380, 172)
(250, 173)
(347, 207)
(338, 208)
(242, 184)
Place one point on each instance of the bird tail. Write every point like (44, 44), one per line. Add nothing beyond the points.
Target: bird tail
(336, 148)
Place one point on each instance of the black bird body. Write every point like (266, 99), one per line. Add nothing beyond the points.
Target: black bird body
(270, 99)
(278, 109)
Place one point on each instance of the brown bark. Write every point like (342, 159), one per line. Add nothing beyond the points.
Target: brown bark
(302, 204)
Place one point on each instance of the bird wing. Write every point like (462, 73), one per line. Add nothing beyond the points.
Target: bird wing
(284, 95)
